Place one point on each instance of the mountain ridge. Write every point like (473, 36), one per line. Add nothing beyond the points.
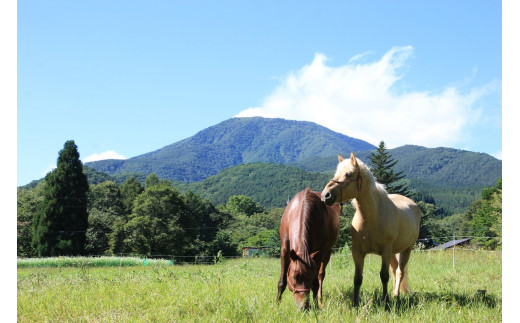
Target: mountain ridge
(437, 165)
(233, 142)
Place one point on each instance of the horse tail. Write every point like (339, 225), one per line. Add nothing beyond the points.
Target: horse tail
(403, 287)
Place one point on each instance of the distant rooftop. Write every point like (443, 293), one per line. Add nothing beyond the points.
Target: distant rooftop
(450, 244)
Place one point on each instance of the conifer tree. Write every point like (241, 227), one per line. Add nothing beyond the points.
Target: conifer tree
(382, 168)
(61, 218)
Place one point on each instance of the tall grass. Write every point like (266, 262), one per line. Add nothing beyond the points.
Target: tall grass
(89, 262)
(244, 290)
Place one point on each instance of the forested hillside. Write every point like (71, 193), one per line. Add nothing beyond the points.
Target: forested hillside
(447, 165)
(433, 165)
(269, 184)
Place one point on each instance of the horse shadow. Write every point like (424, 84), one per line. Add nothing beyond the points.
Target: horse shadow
(406, 302)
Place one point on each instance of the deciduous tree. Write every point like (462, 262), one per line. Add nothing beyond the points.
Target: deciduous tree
(485, 217)
(157, 225)
(105, 206)
(27, 202)
(130, 189)
(241, 204)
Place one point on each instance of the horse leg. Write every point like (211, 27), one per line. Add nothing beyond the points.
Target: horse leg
(285, 261)
(386, 255)
(321, 276)
(402, 283)
(393, 268)
(359, 261)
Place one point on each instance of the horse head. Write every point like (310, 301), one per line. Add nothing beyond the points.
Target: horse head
(346, 183)
(301, 275)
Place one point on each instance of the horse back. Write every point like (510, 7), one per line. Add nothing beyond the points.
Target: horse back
(307, 210)
(408, 217)
(407, 207)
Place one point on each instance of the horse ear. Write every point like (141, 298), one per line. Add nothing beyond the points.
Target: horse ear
(340, 159)
(315, 256)
(293, 255)
(353, 159)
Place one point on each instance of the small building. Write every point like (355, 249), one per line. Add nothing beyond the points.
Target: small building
(451, 244)
(252, 251)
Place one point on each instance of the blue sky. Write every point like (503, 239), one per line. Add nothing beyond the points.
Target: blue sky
(122, 78)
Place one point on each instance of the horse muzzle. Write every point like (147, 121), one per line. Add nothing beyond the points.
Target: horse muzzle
(302, 300)
(328, 197)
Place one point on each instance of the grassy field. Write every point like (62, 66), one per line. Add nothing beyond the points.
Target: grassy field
(244, 290)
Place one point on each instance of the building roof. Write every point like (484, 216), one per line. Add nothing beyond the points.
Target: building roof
(255, 248)
(450, 244)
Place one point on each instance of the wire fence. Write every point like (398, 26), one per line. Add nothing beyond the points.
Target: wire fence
(341, 256)
(273, 252)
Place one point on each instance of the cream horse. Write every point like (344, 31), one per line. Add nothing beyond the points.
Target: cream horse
(384, 224)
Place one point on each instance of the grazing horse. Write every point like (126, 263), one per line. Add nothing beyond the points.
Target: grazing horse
(308, 231)
(384, 224)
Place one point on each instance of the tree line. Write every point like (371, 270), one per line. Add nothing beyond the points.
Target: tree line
(64, 215)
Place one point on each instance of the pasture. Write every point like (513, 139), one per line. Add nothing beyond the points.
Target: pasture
(244, 290)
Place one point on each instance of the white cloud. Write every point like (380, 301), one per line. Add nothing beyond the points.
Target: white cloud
(359, 57)
(49, 169)
(104, 155)
(358, 99)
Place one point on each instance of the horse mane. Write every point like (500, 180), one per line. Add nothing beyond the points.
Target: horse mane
(369, 179)
(307, 209)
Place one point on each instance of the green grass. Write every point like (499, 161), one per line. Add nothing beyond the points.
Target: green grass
(243, 290)
(89, 262)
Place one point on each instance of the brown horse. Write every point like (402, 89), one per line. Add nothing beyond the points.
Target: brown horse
(384, 224)
(308, 231)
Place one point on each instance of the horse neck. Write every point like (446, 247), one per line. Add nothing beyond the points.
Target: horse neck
(367, 203)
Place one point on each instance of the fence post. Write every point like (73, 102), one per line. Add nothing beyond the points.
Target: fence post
(454, 244)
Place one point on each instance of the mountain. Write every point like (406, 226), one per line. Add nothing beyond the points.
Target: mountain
(448, 165)
(233, 142)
